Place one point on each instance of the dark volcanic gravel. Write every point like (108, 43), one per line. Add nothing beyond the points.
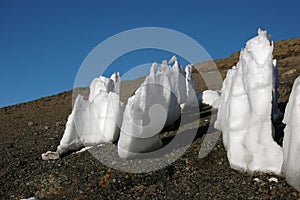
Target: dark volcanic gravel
(30, 129)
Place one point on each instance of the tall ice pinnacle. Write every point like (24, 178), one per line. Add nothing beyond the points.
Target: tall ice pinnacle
(291, 140)
(245, 109)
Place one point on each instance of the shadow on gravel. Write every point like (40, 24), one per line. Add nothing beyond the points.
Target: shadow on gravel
(174, 137)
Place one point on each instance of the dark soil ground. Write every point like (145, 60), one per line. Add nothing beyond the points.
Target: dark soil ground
(27, 130)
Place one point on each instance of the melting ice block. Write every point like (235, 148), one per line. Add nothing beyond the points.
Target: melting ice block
(95, 120)
(245, 108)
(156, 104)
(291, 140)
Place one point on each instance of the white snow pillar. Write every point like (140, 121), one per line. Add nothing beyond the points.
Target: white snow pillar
(291, 140)
(245, 110)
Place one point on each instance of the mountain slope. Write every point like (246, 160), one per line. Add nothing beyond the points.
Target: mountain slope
(32, 128)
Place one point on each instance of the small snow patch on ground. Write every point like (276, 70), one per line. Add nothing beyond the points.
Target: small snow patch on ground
(83, 149)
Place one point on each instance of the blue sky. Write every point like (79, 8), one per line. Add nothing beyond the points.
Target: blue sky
(43, 43)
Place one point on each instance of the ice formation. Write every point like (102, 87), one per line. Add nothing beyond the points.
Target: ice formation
(191, 100)
(211, 98)
(156, 104)
(245, 108)
(291, 140)
(95, 120)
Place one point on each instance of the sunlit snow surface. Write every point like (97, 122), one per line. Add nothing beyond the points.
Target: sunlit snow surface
(291, 141)
(244, 114)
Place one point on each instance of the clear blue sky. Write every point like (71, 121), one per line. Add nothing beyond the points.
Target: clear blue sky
(43, 43)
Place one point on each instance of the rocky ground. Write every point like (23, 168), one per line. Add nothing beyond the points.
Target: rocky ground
(27, 130)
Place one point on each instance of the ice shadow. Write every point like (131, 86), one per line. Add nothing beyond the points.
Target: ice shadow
(279, 125)
(182, 139)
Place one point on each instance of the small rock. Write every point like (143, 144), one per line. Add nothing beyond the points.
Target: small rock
(140, 187)
(273, 179)
(58, 123)
(291, 71)
(49, 155)
(257, 180)
(46, 127)
(30, 123)
(104, 181)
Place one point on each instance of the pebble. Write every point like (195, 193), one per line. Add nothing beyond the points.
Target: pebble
(30, 123)
(257, 180)
(291, 71)
(273, 179)
(49, 155)
(58, 123)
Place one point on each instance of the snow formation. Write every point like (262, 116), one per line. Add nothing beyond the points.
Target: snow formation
(95, 120)
(156, 104)
(291, 140)
(211, 98)
(245, 108)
